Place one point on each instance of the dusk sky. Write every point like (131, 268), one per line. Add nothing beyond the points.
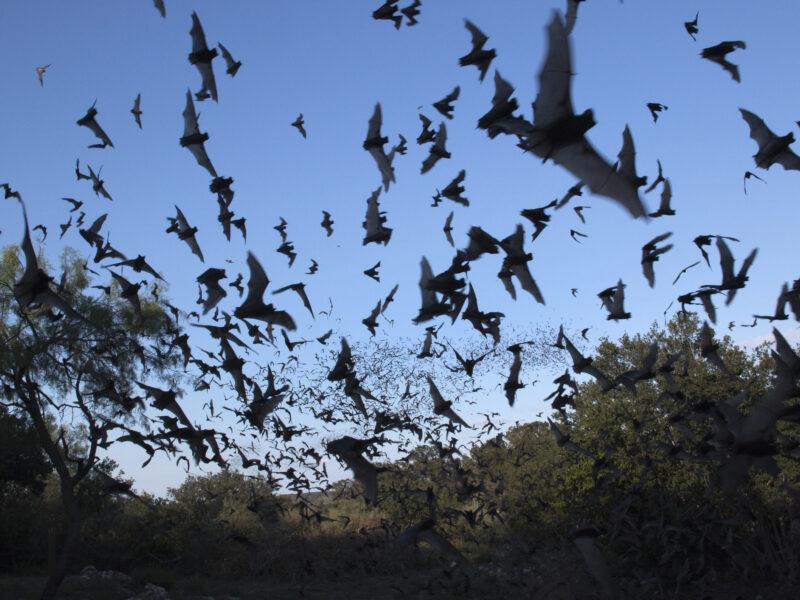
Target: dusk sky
(333, 62)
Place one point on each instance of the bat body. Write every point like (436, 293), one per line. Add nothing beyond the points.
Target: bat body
(374, 222)
(214, 292)
(651, 253)
(136, 111)
(438, 149)
(454, 189)
(193, 139)
(298, 123)
(445, 105)
(442, 406)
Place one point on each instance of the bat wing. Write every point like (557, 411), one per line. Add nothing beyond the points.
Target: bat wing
(584, 162)
(190, 126)
(207, 77)
(478, 37)
(258, 282)
(159, 4)
(527, 282)
(199, 153)
(374, 123)
(553, 100)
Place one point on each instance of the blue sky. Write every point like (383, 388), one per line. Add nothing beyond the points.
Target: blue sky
(333, 62)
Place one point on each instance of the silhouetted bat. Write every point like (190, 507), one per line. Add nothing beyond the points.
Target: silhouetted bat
(253, 306)
(664, 208)
(193, 139)
(655, 108)
(448, 229)
(771, 148)
(387, 12)
(371, 321)
(500, 118)
(350, 450)
(88, 120)
(298, 123)
(214, 293)
(651, 253)
(159, 4)
(372, 272)
(327, 222)
(438, 149)
(201, 57)
(411, 11)
(187, 234)
(138, 264)
(454, 189)
(691, 26)
(559, 132)
(442, 406)
(427, 134)
(300, 290)
(539, 218)
(512, 383)
(444, 105)
(373, 223)
(477, 56)
(516, 262)
(233, 65)
(40, 72)
(97, 184)
(572, 14)
(718, 53)
(748, 175)
(136, 111)
(613, 299)
(374, 145)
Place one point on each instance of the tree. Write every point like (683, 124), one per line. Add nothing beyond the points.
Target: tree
(661, 460)
(60, 371)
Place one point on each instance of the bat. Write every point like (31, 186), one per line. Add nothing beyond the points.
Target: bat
(34, 285)
(436, 151)
(516, 261)
(253, 306)
(187, 234)
(771, 148)
(40, 72)
(748, 175)
(327, 222)
(130, 291)
(664, 208)
(431, 305)
(691, 26)
(371, 321)
(571, 15)
(579, 211)
(374, 145)
(655, 108)
(387, 12)
(694, 264)
(445, 106)
(539, 218)
(442, 406)
(76, 204)
(298, 123)
(281, 228)
(651, 253)
(138, 264)
(659, 178)
(389, 298)
(97, 184)
(372, 272)
(477, 56)
(427, 134)
(350, 450)
(192, 138)
(92, 234)
(448, 229)
(731, 281)
(613, 299)
(559, 133)
(374, 221)
(402, 147)
(287, 248)
(136, 111)
(573, 233)
(718, 53)
(201, 57)
(454, 189)
(411, 11)
(500, 118)
(232, 65)
(214, 293)
(512, 384)
(88, 120)
(159, 4)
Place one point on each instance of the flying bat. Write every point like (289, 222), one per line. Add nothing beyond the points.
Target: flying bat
(298, 123)
(130, 291)
(374, 221)
(351, 450)
(372, 272)
(655, 108)
(448, 229)
(232, 65)
(613, 299)
(454, 189)
(34, 285)
(500, 118)
(187, 234)
(705, 240)
(371, 321)
(138, 264)
(327, 222)
(201, 57)
(477, 56)
(387, 12)
(512, 383)
(442, 406)
(694, 264)
(445, 106)
(136, 111)
(411, 11)
(539, 217)
(559, 133)
(516, 262)
(253, 306)
(718, 53)
(374, 145)
(389, 298)
(214, 293)
(731, 281)
(651, 253)
(193, 139)
(664, 208)
(771, 148)
(748, 175)
(659, 178)
(159, 4)
(691, 26)
(97, 184)
(427, 134)
(88, 120)
(438, 149)
(40, 72)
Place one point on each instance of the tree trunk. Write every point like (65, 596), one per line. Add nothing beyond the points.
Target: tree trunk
(72, 530)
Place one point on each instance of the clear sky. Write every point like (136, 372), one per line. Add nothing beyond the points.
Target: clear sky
(333, 62)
